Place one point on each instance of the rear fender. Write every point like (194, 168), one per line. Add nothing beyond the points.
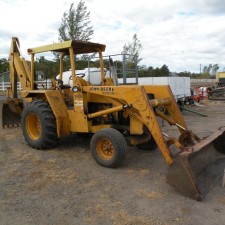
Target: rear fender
(59, 109)
(58, 106)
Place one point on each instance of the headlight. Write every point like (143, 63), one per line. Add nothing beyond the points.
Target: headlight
(75, 89)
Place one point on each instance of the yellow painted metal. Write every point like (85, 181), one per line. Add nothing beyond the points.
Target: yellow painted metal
(26, 69)
(136, 126)
(163, 91)
(17, 68)
(13, 78)
(105, 149)
(14, 46)
(80, 98)
(79, 47)
(168, 118)
(61, 66)
(94, 129)
(78, 122)
(32, 71)
(101, 65)
(105, 112)
(108, 81)
(98, 98)
(59, 109)
(72, 64)
(33, 126)
(159, 102)
(21, 71)
(51, 47)
(141, 109)
(220, 75)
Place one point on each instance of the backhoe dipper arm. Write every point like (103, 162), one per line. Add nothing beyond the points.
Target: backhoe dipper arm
(18, 68)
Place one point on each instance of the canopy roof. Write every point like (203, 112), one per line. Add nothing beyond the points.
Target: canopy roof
(79, 47)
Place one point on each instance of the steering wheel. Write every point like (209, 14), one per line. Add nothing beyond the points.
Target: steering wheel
(59, 84)
(80, 75)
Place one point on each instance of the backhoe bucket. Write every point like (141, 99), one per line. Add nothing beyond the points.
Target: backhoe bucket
(194, 171)
(11, 112)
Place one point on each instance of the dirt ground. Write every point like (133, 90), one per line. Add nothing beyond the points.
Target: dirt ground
(65, 186)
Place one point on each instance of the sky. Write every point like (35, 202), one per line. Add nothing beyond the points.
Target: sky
(183, 34)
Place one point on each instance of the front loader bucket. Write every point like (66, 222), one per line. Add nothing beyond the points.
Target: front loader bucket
(194, 171)
(11, 113)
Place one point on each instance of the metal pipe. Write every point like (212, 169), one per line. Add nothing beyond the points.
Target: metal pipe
(61, 66)
(101, 64)
(165, 117)
(178, 125)
(189, 110)
(32, 71)
(169, 119)
(124, 70)
(160, 102)
(72, 64)
(107, 111)
(166, 135)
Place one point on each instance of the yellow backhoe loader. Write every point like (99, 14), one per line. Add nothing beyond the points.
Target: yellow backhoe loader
(116, 115)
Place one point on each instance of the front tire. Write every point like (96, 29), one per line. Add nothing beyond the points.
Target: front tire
(39, 125)
(108, 147)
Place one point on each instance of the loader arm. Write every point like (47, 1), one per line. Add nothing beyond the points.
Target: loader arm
(140, 109)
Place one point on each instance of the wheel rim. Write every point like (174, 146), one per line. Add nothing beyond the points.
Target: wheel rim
(105, 149)
(33, 126)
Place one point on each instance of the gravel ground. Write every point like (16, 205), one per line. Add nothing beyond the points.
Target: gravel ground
(65, 186)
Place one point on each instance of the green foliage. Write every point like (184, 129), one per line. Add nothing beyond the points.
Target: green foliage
(164, 71)
(4, 66)
(151, 72)
(75, 24)
(49, 68)
(210, 70)
(188, 74)
(133, 49)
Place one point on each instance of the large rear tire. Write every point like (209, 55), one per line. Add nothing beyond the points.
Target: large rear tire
(39, 125)
(108, 147)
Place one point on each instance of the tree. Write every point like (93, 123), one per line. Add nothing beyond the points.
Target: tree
(75, 24)
(133, 49)
(210, 70)
(165, 72)
(4, 66)
(151, 72)
(214, 69)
